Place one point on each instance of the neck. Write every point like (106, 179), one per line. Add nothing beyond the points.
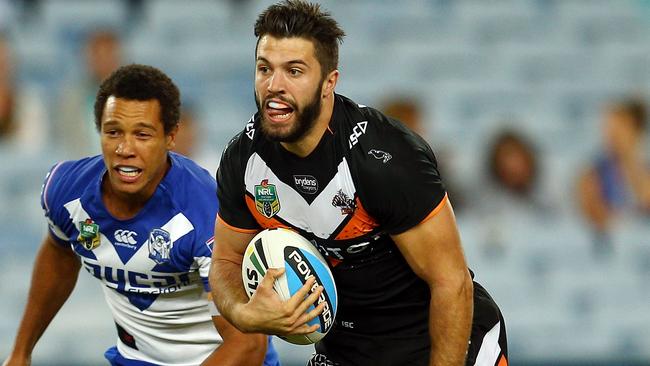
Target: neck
(309, 141)
(122, 206)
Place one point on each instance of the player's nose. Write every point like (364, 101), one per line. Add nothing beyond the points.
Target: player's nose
(276, 83)
(125, 148)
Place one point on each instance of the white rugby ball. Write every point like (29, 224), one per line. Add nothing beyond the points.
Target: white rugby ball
(284, 248)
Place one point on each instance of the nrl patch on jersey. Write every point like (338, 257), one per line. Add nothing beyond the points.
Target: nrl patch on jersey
(88, 234)
(266, 199)
(160, 245)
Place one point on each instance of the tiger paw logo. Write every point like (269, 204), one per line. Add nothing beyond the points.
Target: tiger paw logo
(380, 155)
(266, 199)
(343, 202)
(88, 234)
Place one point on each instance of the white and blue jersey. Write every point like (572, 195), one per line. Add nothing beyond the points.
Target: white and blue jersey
(154, 266)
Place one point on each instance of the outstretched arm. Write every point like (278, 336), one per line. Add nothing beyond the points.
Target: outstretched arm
(265, 312)
(54, 277)
(433, 250)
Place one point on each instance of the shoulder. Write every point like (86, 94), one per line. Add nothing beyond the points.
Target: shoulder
(379, 144)
(190, 172)
(189, 183)
(193, 193)
(244, 140)
(67, 180)
(368, 126)
(238, 151)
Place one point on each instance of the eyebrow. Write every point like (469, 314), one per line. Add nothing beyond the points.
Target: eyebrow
(290, 62)
(139, 124)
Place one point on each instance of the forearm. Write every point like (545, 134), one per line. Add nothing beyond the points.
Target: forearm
(450, 321)
(244, 351)
(53, 279)
(228, 290)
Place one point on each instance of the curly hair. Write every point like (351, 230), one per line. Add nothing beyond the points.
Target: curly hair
(297, 18)
(141, 82)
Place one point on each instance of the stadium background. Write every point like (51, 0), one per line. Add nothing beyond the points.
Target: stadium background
(544, 67)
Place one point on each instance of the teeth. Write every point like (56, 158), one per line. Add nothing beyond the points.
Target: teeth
(128, 171)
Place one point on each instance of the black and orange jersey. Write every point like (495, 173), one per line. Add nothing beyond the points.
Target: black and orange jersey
(368, 178)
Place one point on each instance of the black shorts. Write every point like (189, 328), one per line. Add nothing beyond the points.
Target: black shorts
(488, 344)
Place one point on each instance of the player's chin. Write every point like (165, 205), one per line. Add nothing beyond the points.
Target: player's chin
(126, 187)
(277, 133)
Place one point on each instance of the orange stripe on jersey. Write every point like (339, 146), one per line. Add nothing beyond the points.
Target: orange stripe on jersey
(360, 224)
(264, 221)
(437, 209)
(234, 228)
(503, 361)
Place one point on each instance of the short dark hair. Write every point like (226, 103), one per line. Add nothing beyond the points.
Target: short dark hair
(141, 82)
(298, 18)
(636, 109)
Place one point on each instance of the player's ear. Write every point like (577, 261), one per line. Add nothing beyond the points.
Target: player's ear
(329, 84)
(170, 138)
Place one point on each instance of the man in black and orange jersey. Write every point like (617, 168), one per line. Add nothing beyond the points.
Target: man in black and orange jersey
(367, 192)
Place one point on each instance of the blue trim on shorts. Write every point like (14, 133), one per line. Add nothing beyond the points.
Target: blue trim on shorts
(116, 359)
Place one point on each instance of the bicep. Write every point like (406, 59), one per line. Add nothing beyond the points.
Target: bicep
(433, 249)
(230, 242)
(54, 246)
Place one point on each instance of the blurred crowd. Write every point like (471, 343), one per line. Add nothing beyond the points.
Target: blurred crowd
(511, 188)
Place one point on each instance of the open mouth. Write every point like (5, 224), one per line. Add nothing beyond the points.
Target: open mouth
(128, 173)
(278, 111)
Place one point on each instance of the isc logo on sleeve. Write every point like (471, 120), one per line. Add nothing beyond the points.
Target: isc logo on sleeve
(357, 131)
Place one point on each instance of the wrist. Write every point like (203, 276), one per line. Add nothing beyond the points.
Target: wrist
(240, 318)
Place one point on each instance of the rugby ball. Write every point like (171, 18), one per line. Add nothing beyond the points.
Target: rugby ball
(284, 248)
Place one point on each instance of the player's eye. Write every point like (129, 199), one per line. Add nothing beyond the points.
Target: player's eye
(111, 133)
(143, 135)
(262, 69)
(295, 72)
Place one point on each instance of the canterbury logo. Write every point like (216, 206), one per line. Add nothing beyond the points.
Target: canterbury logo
(125, 236)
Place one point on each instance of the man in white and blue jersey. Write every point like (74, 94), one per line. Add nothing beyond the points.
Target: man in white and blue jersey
(140, 219)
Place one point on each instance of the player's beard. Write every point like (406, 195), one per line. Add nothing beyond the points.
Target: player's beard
(304, 118)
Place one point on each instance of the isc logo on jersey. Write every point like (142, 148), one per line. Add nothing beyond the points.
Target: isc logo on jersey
(283, 248)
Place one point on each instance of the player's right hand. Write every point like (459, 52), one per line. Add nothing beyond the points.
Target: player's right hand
(267, 313)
